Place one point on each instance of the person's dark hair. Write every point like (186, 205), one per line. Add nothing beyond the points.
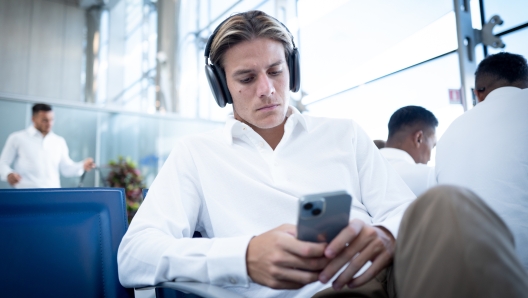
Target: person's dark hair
(409, 116)
(507, 66)
(380, 144)
(40, 107)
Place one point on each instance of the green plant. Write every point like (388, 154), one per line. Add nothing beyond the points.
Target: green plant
(124, 173)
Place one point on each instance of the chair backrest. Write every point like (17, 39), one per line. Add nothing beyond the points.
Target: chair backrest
(61, 242)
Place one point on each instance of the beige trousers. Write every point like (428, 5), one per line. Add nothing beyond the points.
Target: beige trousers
(450, 244)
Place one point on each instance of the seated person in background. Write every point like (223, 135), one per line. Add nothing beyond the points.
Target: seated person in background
(38, 155)
(486, 149)
(239, 186)
(379, 143)
(412, 136)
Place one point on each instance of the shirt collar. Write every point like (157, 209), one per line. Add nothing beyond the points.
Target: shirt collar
(393, 153)
(34, 132)
(501, 92)
(234, 128)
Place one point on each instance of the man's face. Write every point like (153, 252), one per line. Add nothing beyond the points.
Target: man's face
(43, 121)
(258, 80)
(428, 143)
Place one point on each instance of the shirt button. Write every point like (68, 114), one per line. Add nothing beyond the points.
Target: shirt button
(232, 280)
(261, 144)
(244, 128)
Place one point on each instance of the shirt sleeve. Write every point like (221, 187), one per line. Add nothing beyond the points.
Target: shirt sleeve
(7, 157)
(68, 167)
(383, 192)
(158, 246)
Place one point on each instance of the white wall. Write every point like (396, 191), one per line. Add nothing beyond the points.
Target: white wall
(41, 49)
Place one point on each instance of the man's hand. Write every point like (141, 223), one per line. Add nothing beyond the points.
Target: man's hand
(357, 244)
(13, 179)
(278, 260)
(88, 164)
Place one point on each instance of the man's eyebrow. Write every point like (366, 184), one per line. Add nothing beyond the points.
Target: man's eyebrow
(244, 71)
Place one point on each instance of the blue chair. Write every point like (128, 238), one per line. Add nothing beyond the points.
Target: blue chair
(63, 243)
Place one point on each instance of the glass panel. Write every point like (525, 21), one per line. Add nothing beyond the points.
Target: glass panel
(347, 43)
(516, 42)
(512, 12)
(78, 128)
(15, 116)
(371, 105)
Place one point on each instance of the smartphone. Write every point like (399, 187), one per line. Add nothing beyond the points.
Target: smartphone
(322, 216)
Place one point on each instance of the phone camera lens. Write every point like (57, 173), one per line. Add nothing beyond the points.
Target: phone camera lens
(308, 206)
(316, 211)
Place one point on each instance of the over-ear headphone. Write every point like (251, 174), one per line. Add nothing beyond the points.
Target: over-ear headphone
(217, 79)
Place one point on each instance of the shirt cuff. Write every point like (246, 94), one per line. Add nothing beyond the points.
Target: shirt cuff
(4, 174)
(391, 224)
(226, 263)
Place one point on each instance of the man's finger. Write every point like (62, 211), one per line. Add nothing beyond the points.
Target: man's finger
(381, 262)
(295, 276)
(288, 228)
(346, 236)
(304, 249)
(359, 244)
(308, 264)
(369, 253)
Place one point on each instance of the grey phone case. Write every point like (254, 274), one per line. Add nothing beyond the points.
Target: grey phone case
(325, 224)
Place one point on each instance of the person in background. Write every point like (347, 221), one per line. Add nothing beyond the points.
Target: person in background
(379, 143)
(37, 155)
(486, 149)
(412, 136)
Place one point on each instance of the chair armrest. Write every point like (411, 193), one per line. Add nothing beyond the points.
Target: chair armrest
(200, 289)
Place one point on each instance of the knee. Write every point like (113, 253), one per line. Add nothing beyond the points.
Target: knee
(442, 203)
(447, 196)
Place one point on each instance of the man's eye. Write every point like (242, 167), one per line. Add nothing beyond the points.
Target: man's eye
(275, 73)
(246, 80)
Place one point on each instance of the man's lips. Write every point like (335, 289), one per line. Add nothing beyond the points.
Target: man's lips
(268, 107)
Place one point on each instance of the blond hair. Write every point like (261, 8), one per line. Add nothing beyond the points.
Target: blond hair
(247, 26)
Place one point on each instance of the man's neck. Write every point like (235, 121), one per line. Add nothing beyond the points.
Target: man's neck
(272, 136)
(44, 133)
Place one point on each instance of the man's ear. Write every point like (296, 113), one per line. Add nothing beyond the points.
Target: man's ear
(418, 138)
(481, 96)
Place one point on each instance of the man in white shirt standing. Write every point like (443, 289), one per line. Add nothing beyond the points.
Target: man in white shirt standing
(38, 155)
(486, 149)
(412, 136)
(239, 186)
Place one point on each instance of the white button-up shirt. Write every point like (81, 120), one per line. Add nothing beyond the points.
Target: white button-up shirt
(486, 150)
(230, 185)
(37, 159)
(419, 177)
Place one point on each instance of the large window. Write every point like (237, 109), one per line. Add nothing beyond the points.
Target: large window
(372, 104)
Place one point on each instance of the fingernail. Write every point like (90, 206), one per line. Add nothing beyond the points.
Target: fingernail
(329, 253)
(323, 278)
(337, 287)
(351, 285)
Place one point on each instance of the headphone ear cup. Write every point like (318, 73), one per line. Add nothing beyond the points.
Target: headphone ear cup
(217, 85)
(295, 70)
(220, 74)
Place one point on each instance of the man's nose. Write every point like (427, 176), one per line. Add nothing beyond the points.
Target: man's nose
(265, 86)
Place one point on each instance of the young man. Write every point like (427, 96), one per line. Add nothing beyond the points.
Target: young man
(38, 155)
(412, 136)
(239, 186)
(486, 149)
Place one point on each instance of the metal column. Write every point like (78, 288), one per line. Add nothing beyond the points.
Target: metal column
(167, 74)
(466, 52)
